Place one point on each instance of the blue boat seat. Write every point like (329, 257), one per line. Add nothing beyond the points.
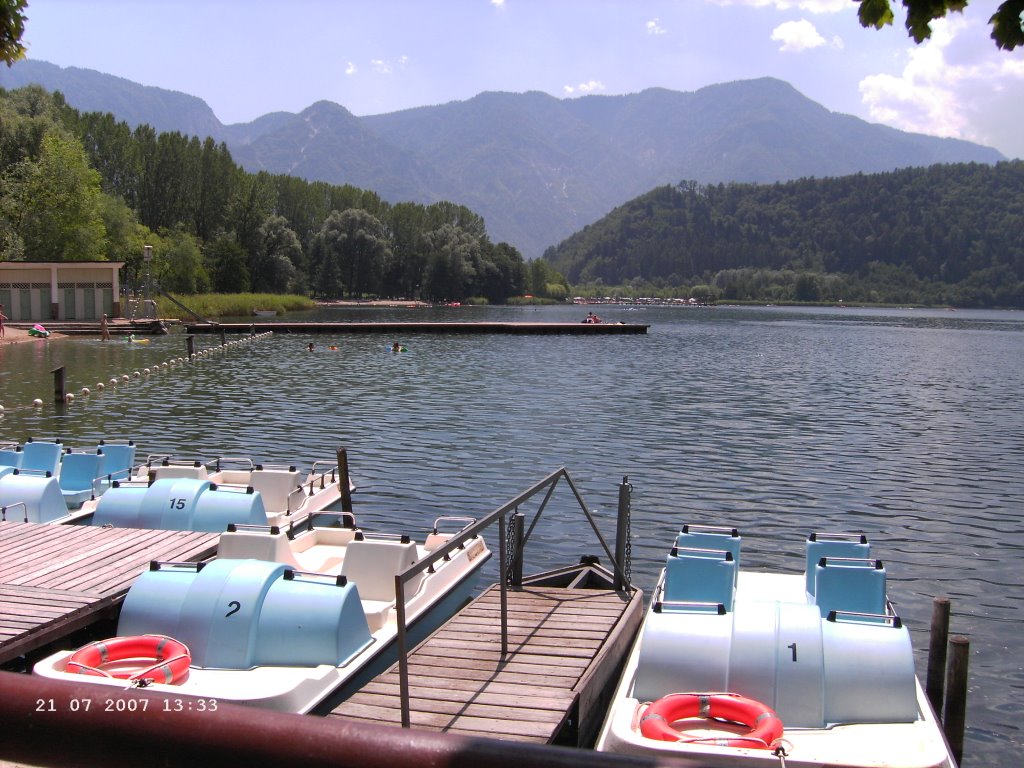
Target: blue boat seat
(849, 584)
(118, 460)
(80, 477)
(821, 545)
(11, 457)
(31, 496)
(42, 456)
(702, 579)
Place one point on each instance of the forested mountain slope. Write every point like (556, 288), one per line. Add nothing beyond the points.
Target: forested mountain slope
(932, 229)
(537, 168)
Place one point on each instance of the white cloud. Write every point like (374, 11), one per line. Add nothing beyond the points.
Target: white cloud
(380, 66)
(498, 3)
(588, 87)
(811, 6)
(351, 69)
(654, 27)
(797, 36)
(946, 89)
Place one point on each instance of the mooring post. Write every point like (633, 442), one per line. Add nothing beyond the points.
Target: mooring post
(955, 716)
(59, 393)
(223, 337)
(343, 481)
(939, 639)
(190, 345)
(622, 534)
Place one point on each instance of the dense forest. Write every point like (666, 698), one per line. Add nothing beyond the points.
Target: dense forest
(948, 234)
(77, 186)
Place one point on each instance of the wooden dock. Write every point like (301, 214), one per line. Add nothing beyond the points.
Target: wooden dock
(404, 329)
(565, 647)
(55, 579)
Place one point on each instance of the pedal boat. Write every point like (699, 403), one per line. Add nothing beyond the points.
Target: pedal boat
(277, 622)
(737, 667)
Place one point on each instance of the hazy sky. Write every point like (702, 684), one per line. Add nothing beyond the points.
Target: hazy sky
(246, 58)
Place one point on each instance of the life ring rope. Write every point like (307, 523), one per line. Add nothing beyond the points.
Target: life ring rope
(765, 726)
(165, 659)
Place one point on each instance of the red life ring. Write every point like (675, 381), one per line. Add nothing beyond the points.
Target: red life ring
(171, 658)
(765, 726)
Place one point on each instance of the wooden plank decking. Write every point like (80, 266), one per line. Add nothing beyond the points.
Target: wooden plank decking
(55, 579)
(564, 645)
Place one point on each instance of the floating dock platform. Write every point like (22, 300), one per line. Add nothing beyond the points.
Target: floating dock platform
(404, 329)
(56, 579)
(565, 647)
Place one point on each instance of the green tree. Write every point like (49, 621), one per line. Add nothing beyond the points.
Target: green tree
(281, 253)
(227, 264)
(54, 204)
(178, 263)
(1007, 26)
(12, 27)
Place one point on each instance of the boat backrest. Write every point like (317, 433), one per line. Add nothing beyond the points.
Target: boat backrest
(11, 457)
(832, 545)
(849, 584)
(256, 544)
(167, 471)
(80, 471)
(373, 564)
(699, 576)
(711, 537)
(42, 456)
(41, 496)
(118, 459)
(276, 486)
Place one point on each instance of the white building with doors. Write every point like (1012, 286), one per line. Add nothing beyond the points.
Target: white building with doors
(39, 291)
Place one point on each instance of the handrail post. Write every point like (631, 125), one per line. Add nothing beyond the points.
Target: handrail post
(403, 657)
(518, 528)
(502, 580)
(622, 534)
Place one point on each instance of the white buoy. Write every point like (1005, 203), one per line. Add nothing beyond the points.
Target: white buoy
(1, 409)
(135, 374)
(125, 378)
(113, 382)
(99, 386)
(37, 403)
(146, 371)
(69, 397)
(85, 391)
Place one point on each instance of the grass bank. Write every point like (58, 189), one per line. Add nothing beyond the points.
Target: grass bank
(231, 304)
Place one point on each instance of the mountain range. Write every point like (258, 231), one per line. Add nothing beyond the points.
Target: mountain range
(537, 168)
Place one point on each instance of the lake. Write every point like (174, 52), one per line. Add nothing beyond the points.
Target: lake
(907, 425)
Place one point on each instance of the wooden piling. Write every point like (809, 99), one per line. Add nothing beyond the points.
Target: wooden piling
(190, 345)
(343, 481)
(939, 638)
(955, 715)
(59, 391)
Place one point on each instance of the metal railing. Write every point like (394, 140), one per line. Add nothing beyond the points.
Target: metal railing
(458, 541)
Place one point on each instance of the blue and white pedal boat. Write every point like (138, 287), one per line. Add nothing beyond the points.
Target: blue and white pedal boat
(739, 667)
(275, 622)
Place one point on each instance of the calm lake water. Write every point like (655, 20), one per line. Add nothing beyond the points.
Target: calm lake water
(907, 425)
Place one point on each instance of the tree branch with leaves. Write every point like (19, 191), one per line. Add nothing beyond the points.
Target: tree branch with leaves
(1007, 24)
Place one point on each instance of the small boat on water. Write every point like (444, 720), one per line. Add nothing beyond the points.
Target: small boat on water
(277, 621)
(264, 313)
(740, 667)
